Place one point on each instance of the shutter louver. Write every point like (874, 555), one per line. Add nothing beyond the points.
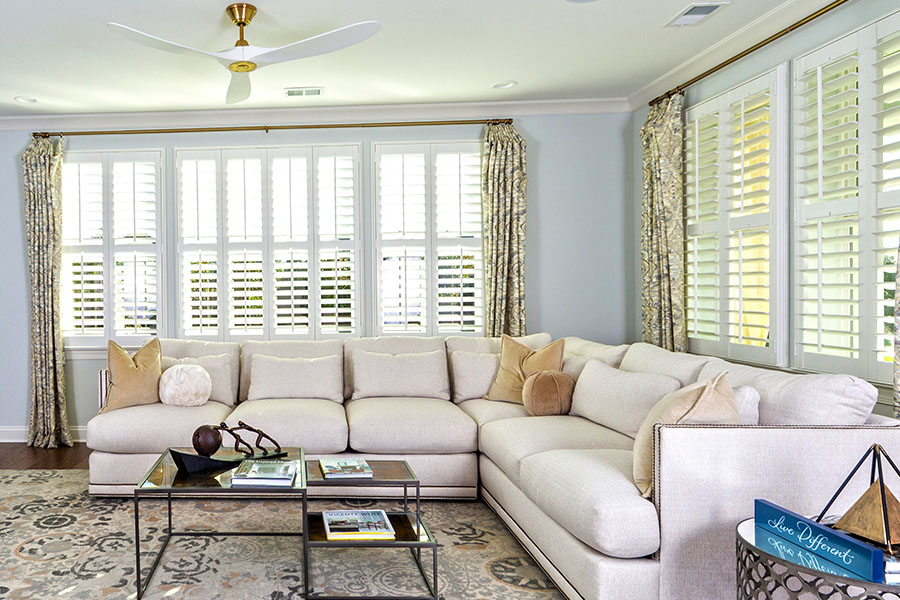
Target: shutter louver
(200, 293)
(245, 291)
(135, 293)
(337, 291)
(404, 289)
(458, 194)
(82, 293)
(460, 285)
(291, 291)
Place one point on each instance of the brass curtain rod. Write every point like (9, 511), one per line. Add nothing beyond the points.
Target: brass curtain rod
(750, 50)
(268, 128)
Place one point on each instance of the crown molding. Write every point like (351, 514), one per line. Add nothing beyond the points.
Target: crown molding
(331, 114)
(702, 61)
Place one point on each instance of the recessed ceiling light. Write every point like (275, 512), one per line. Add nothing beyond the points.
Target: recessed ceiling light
(505, 85)
(25, 99)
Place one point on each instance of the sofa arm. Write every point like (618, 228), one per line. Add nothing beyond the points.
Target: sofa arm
(104, 387)
(707, 476)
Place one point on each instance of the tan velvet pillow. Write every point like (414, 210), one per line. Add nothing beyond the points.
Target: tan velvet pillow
(133, 380)
(548, 393)
(517, 362)
(707, 402)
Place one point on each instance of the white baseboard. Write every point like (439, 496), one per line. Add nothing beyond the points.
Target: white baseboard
(20, 434)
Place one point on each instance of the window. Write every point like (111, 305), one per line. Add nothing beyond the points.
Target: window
(428, 238)
(111, 258)
(847, 201)
(269, 242)
(735, 209)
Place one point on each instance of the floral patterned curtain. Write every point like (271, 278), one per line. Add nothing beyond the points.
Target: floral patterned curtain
(503, 184)
(662, 226)
(48, 426)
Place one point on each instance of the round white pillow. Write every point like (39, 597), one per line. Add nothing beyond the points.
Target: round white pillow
(185, 385)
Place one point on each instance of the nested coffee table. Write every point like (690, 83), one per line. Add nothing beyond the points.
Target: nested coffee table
(410, 532)
(164, 481)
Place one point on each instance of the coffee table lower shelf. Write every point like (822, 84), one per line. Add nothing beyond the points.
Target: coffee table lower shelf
(406, 536)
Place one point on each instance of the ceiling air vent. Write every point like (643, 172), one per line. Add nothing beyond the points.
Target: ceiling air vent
(695, 13)
(303, 91)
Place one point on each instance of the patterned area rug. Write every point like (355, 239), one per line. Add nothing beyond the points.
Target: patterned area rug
(59, 542)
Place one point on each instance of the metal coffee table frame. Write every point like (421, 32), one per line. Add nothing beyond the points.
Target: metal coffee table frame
(423, 535)
(298, 491)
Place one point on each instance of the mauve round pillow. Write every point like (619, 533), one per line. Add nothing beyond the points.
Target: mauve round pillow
(185, 385)
(548, 393)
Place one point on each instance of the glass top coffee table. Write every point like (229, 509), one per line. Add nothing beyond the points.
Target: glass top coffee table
(164, 481)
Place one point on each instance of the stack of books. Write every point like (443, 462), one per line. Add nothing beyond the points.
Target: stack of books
(357, 525)
(265, 473)
(345, 468)
(816, 546)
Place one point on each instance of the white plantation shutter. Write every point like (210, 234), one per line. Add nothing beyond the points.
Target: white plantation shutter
(735, 211)
(200, 292)
(830, 328)
(111, 259)
(290, 196)
(246, 309)
(291, 292)
(428, 238)
(337, 291)
(197, 186)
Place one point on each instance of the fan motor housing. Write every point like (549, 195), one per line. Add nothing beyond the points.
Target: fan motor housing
(241, 13)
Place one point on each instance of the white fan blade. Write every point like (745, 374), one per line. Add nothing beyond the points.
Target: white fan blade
(155, 42)
(321, 44)
(238, 89)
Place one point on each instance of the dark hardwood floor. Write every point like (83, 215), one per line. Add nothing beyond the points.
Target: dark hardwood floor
(20, 457)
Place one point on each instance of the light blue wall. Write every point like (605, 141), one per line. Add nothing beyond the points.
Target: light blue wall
(823, 30)
(577, 258)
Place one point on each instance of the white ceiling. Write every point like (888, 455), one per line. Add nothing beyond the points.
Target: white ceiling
(428, 51)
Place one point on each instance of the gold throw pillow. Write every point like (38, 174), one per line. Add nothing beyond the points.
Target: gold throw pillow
(517, 362)
(707, 402)
(133, 380)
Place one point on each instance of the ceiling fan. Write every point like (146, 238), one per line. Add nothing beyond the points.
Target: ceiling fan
(244, 57)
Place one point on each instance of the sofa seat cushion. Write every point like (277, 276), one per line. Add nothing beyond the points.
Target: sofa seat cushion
(410, 425)
(591, 494)
(314, 424)
(151, 428)
(484, 411)
(506, 442)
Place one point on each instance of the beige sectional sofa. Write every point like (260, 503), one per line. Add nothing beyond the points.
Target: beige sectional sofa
(563, 484)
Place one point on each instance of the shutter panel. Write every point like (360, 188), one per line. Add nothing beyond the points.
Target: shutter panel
(337, 291)
(200, 293)
(748, 287)
(243, 197)
(291, 291)
(887, 114)
(336, 198)
(290, 202)
(197, 200)
(135, 293)
(401, 188)
(245, 292)
(82, 193)
(702, 281)
(404, 289)
(887, 241)
(82, 293)
(460, 289)
(457, 183)
(134, 202)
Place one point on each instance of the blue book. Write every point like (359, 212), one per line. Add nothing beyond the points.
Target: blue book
(780, 547)
(836, 547)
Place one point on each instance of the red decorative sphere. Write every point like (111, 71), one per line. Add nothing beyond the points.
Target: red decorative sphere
(206, 440)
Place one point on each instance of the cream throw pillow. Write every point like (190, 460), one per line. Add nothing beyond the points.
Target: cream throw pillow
(517, 362)
(185, 385)
(420, 374)
(276, 377)
(133, 380)
(707, 402)
(220, 369)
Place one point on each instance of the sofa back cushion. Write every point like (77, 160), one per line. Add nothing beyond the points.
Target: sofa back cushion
(396, 344)
(275, 377)
(474, 362)
(618, 399)
(178, 349)
(413, 375)
(647, 358)
(792, 399)
(283, 349)
(219, 367)
(579, 351)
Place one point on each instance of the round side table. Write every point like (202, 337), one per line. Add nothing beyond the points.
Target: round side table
(763, 576)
